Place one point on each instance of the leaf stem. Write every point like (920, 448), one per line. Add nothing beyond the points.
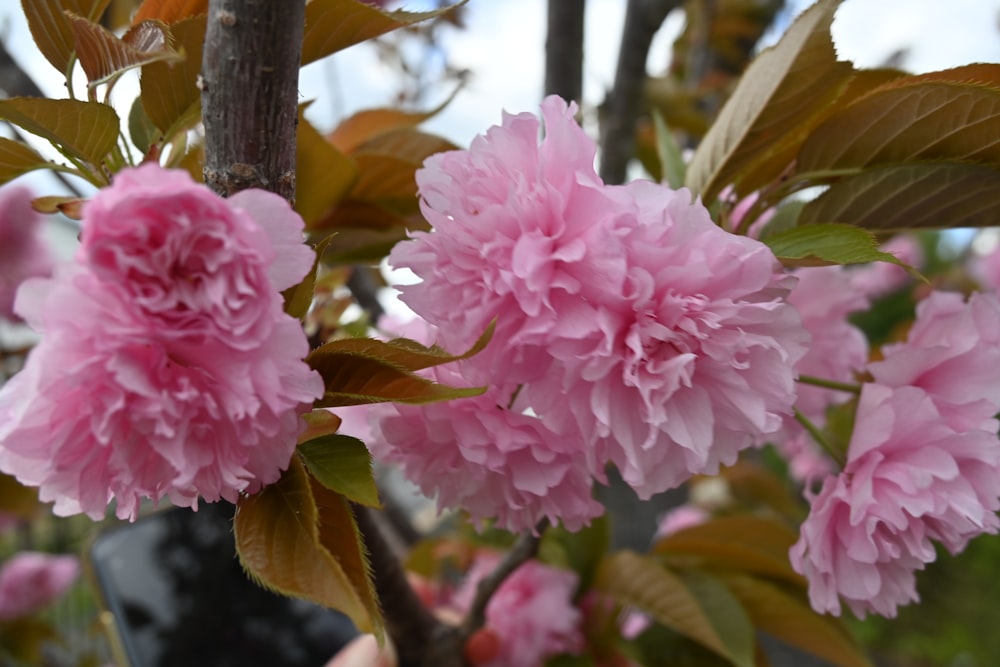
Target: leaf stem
(849, 387)
(820, 439)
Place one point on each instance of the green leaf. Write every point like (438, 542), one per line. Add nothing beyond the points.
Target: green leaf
(17, 158)
(278, 539)
(298, 298)
(86, 130)
(827, 243)
(359, 370)
(142, 131)
(104, 56)
(169, 91)
(51, 28)
(792, 621)
(671, 160)
(932, 195)
(342, 464)
(742, 543)
(725, 613)
(324, 175)
(319, 422)
(640, 581)
(775, 102)
(333, 25)
(899, 123)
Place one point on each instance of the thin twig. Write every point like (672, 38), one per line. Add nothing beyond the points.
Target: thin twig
(523, 550)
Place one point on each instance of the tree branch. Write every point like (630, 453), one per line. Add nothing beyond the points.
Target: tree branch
(249, 85)
(523, 550)
(564, 49)
(642, 19)
(410, 625)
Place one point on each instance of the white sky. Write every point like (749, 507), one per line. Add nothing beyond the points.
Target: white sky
(503, 46)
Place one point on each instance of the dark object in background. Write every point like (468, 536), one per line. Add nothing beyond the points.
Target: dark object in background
(180, 598)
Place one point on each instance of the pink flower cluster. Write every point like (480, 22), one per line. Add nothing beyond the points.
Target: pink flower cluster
(531, 614)
(167, 367)
(30, 581)
(630, 329)
(923, 463)
(23, 253)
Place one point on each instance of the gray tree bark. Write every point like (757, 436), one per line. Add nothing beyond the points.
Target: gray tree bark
(249, 79)
(564, 49)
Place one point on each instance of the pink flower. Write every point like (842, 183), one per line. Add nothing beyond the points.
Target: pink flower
(491, 461)
(520, 236)
(637, 331)
(532, 613)
(30, 581)
(952, 353)
(692, 362)
(167, 367)
(23, 253)
(807, 462)
(910, 478)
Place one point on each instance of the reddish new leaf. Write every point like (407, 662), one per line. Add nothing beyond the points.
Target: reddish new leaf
(169, 11)
(333, 25)
(104, 56)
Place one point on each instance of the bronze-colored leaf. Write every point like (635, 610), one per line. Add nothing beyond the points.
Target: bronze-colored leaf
(319, 422)
(387, 165)
(926, 121)
(774, 104)
(742, 543)
(103, 55)
(367, 124)
(278, 539)
(339, 535)
(17, 158)
(85, 130)
(169, 91)
(356, 373)
(71, 207)
(912, 196)
(333, 25)
(51, 29)
(405, 353)
(324, 175)
(789, 619)
(169, 11)
(641, 582)
(17, 499)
